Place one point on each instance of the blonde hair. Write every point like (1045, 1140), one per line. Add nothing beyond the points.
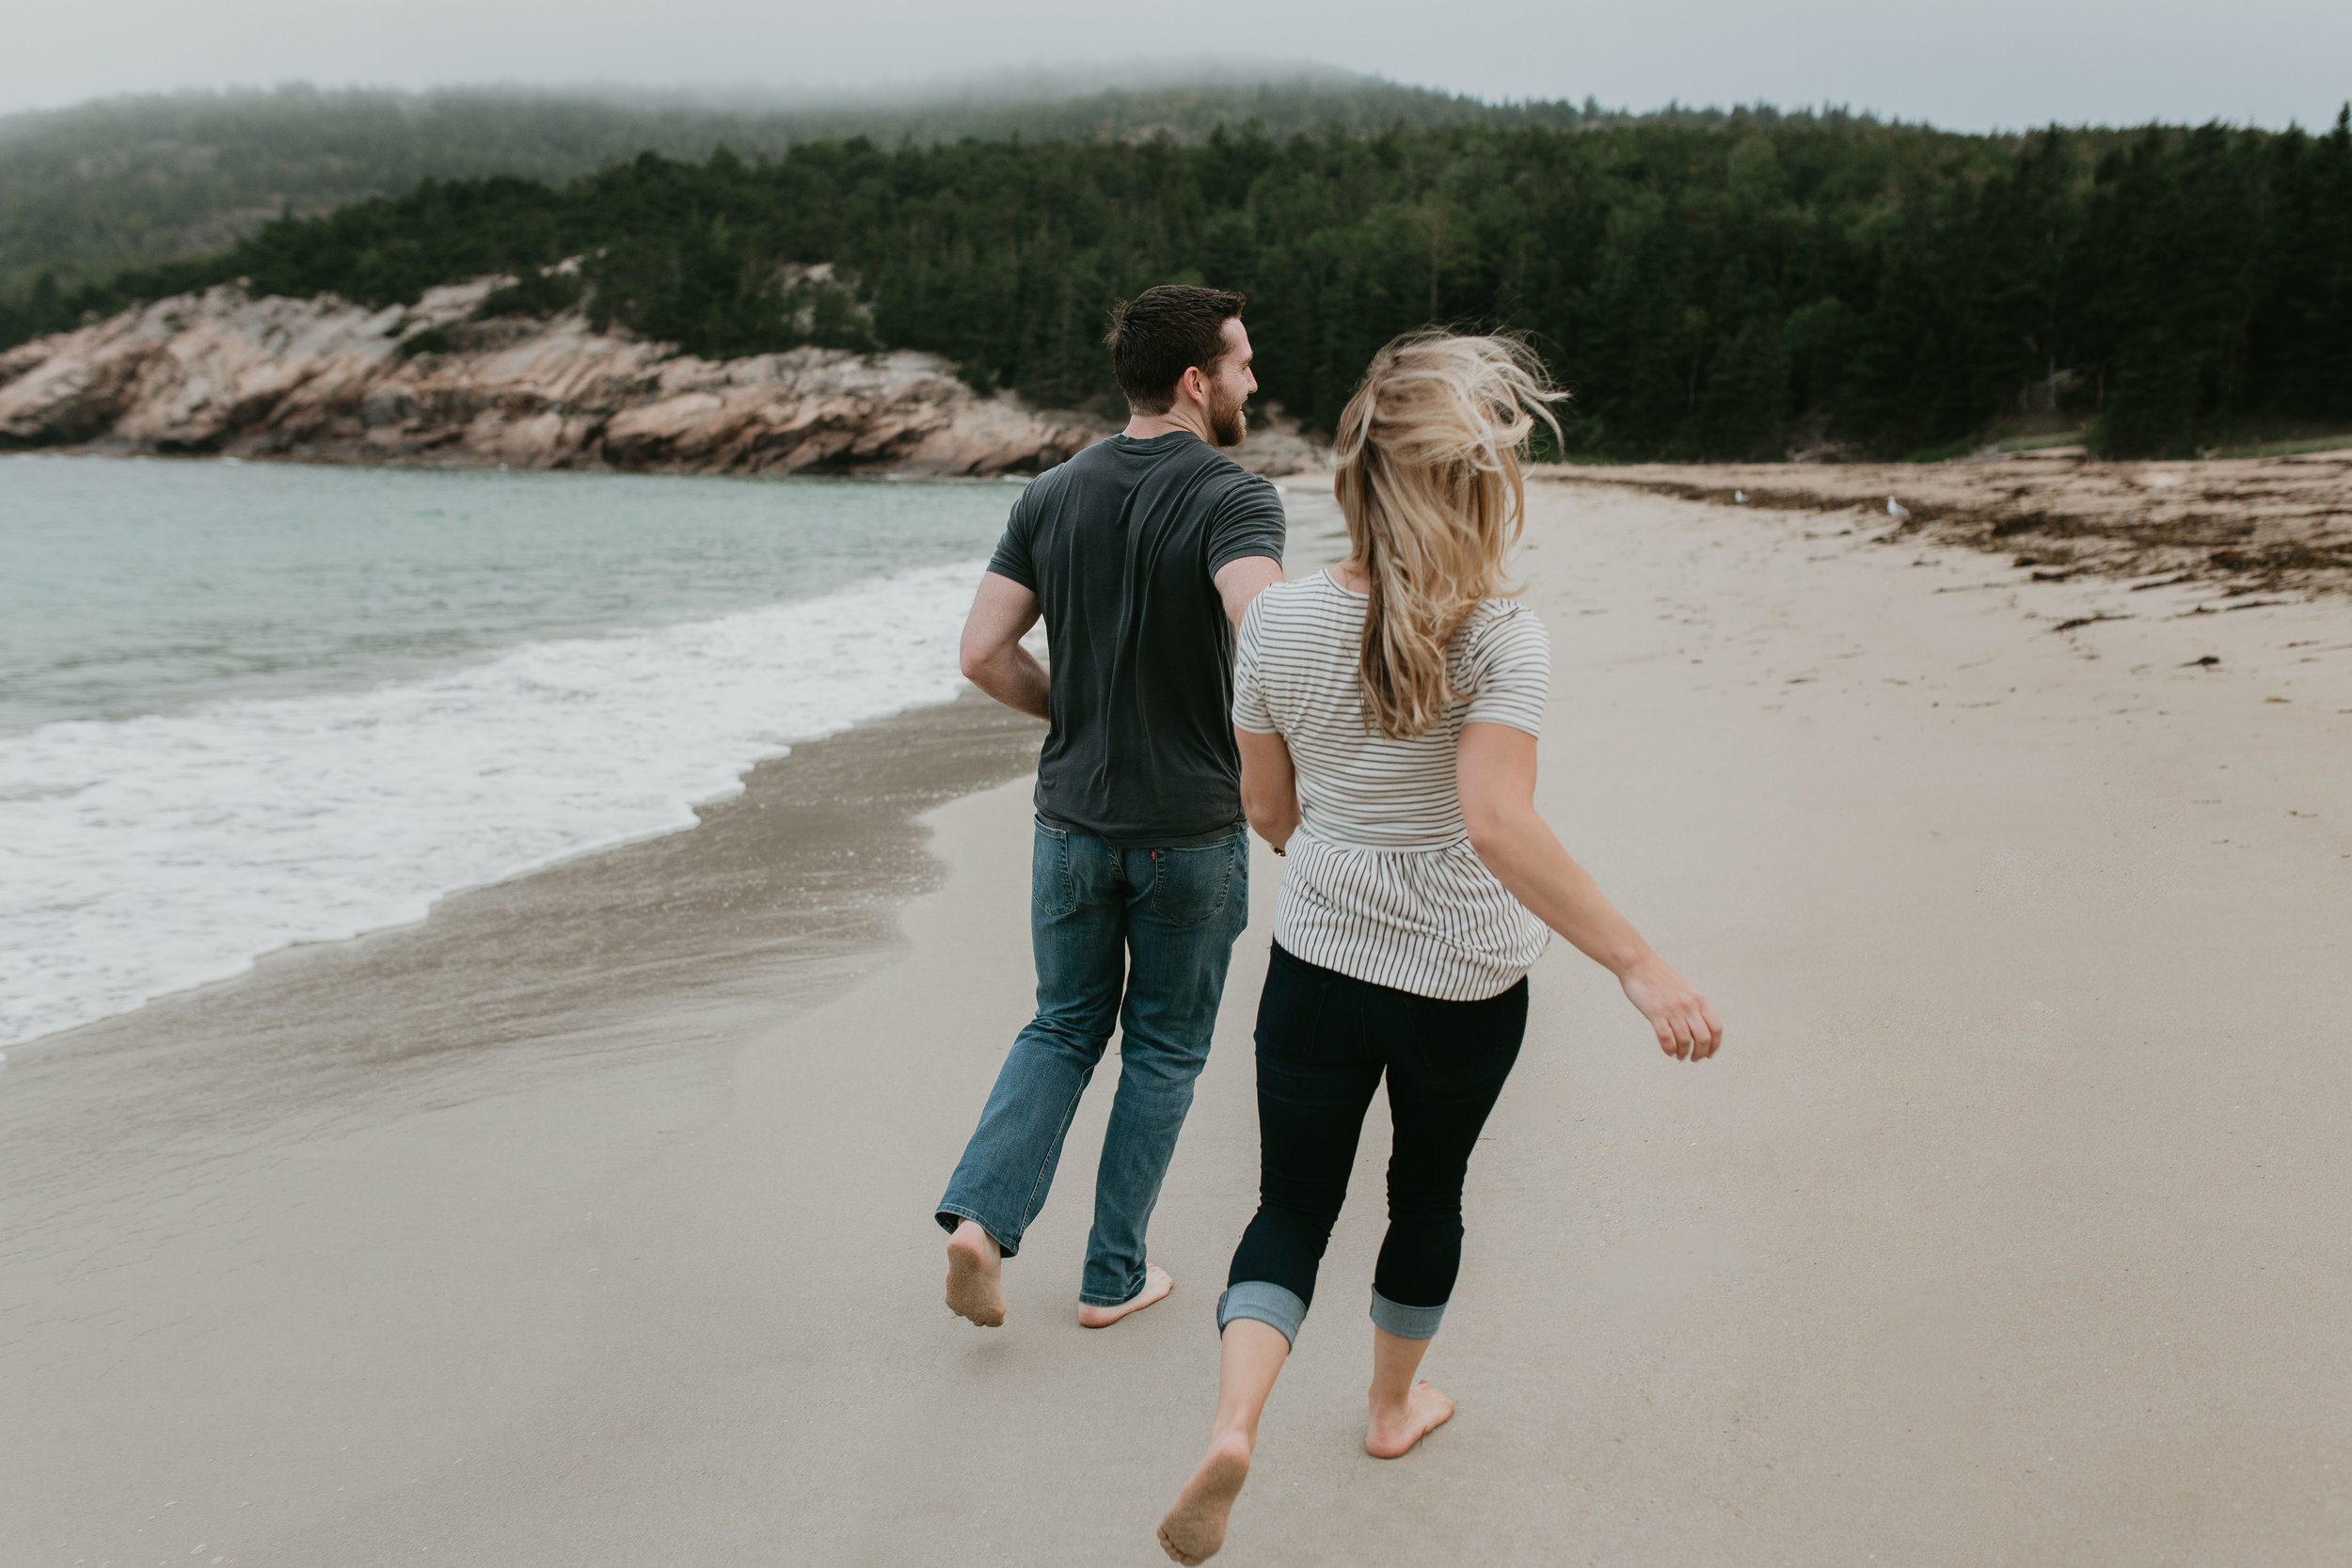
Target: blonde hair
(1429, 455)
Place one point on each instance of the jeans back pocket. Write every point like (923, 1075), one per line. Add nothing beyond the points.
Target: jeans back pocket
(1053, 885)
(1192, 885)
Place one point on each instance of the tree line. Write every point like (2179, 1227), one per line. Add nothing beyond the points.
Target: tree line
(1740, 288)
(145, 179)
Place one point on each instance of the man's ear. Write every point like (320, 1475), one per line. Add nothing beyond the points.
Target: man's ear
(1196, 382)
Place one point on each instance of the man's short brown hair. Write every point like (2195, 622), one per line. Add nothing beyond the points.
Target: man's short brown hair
(1162, 333)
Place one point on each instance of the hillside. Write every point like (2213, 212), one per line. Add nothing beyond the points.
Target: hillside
(122, 180)
(1739, 291)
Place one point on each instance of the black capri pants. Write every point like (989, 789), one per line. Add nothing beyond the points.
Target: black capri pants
(1325, 1042)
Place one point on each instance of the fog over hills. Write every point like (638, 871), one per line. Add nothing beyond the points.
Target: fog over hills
(124, 181)
(145, 179)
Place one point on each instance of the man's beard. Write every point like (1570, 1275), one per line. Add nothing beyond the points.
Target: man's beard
(1228, 425)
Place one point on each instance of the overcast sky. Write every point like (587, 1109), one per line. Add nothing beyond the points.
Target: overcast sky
(1993, 63)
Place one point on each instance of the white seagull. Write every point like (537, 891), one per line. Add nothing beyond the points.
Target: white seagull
(1896, 508)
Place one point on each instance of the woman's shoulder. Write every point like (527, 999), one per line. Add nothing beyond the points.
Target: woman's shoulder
(1500, 618)
(1304, 600)
(1499, 637)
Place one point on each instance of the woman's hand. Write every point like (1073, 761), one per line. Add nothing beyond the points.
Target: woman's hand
(1687, 1028)
(1495, 769)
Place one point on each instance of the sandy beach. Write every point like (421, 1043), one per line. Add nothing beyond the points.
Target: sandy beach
(589, 1221)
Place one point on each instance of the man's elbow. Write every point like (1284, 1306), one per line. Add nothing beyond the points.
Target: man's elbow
(975, 661)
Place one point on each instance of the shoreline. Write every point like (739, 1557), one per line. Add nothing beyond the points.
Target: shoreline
(752, 907)
(360, 1178)
(2001, 1230)
(333, 698)
(227, 965)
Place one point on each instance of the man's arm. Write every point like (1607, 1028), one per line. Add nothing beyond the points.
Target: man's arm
(1241, 579)
(994, 659)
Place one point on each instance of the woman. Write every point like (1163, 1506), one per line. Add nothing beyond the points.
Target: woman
(1387, 711)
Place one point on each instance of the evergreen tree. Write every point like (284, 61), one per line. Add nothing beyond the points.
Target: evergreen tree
(1705, 289)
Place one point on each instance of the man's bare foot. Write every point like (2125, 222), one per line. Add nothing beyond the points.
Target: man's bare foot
(976, 1270)
(1394, 1432)
(1156, 1284)
(1194, 1527)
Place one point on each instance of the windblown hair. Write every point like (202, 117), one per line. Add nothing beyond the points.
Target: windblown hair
(1429, 456)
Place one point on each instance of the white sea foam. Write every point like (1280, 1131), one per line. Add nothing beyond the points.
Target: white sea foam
(143, 856)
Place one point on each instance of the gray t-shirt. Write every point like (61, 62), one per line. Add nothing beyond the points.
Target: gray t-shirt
(1122, 545)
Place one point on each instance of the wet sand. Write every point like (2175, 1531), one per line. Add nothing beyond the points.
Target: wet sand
(271, 1243)
(2007, 1229)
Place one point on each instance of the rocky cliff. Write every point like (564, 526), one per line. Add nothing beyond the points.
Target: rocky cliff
(321, 378)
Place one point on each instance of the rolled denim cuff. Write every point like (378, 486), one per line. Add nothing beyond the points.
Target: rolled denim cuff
(1266, 1302)
(952, 1214)
(1405, 1323)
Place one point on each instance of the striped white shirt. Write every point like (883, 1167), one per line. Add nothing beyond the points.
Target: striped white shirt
(1382, 883)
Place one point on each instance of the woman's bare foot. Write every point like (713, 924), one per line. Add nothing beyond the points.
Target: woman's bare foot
(1156, 1284)
(1194, 1527)
(1394, 1432)
(976, 1270)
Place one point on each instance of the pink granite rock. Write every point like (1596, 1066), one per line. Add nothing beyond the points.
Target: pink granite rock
(224, 372)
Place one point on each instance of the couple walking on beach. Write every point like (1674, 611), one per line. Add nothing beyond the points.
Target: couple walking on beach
(1376, 724)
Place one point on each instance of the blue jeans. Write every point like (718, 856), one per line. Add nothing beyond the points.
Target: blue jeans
(1136, 936)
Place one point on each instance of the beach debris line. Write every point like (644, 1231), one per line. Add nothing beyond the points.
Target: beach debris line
(2256, 526)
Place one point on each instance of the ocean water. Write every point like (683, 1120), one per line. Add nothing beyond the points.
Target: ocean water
(245, 705)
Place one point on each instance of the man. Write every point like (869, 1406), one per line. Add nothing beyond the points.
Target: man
(1141, 553)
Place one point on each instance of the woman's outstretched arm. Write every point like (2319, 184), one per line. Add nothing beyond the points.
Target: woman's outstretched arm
(1269, 785)
(1495, 770)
